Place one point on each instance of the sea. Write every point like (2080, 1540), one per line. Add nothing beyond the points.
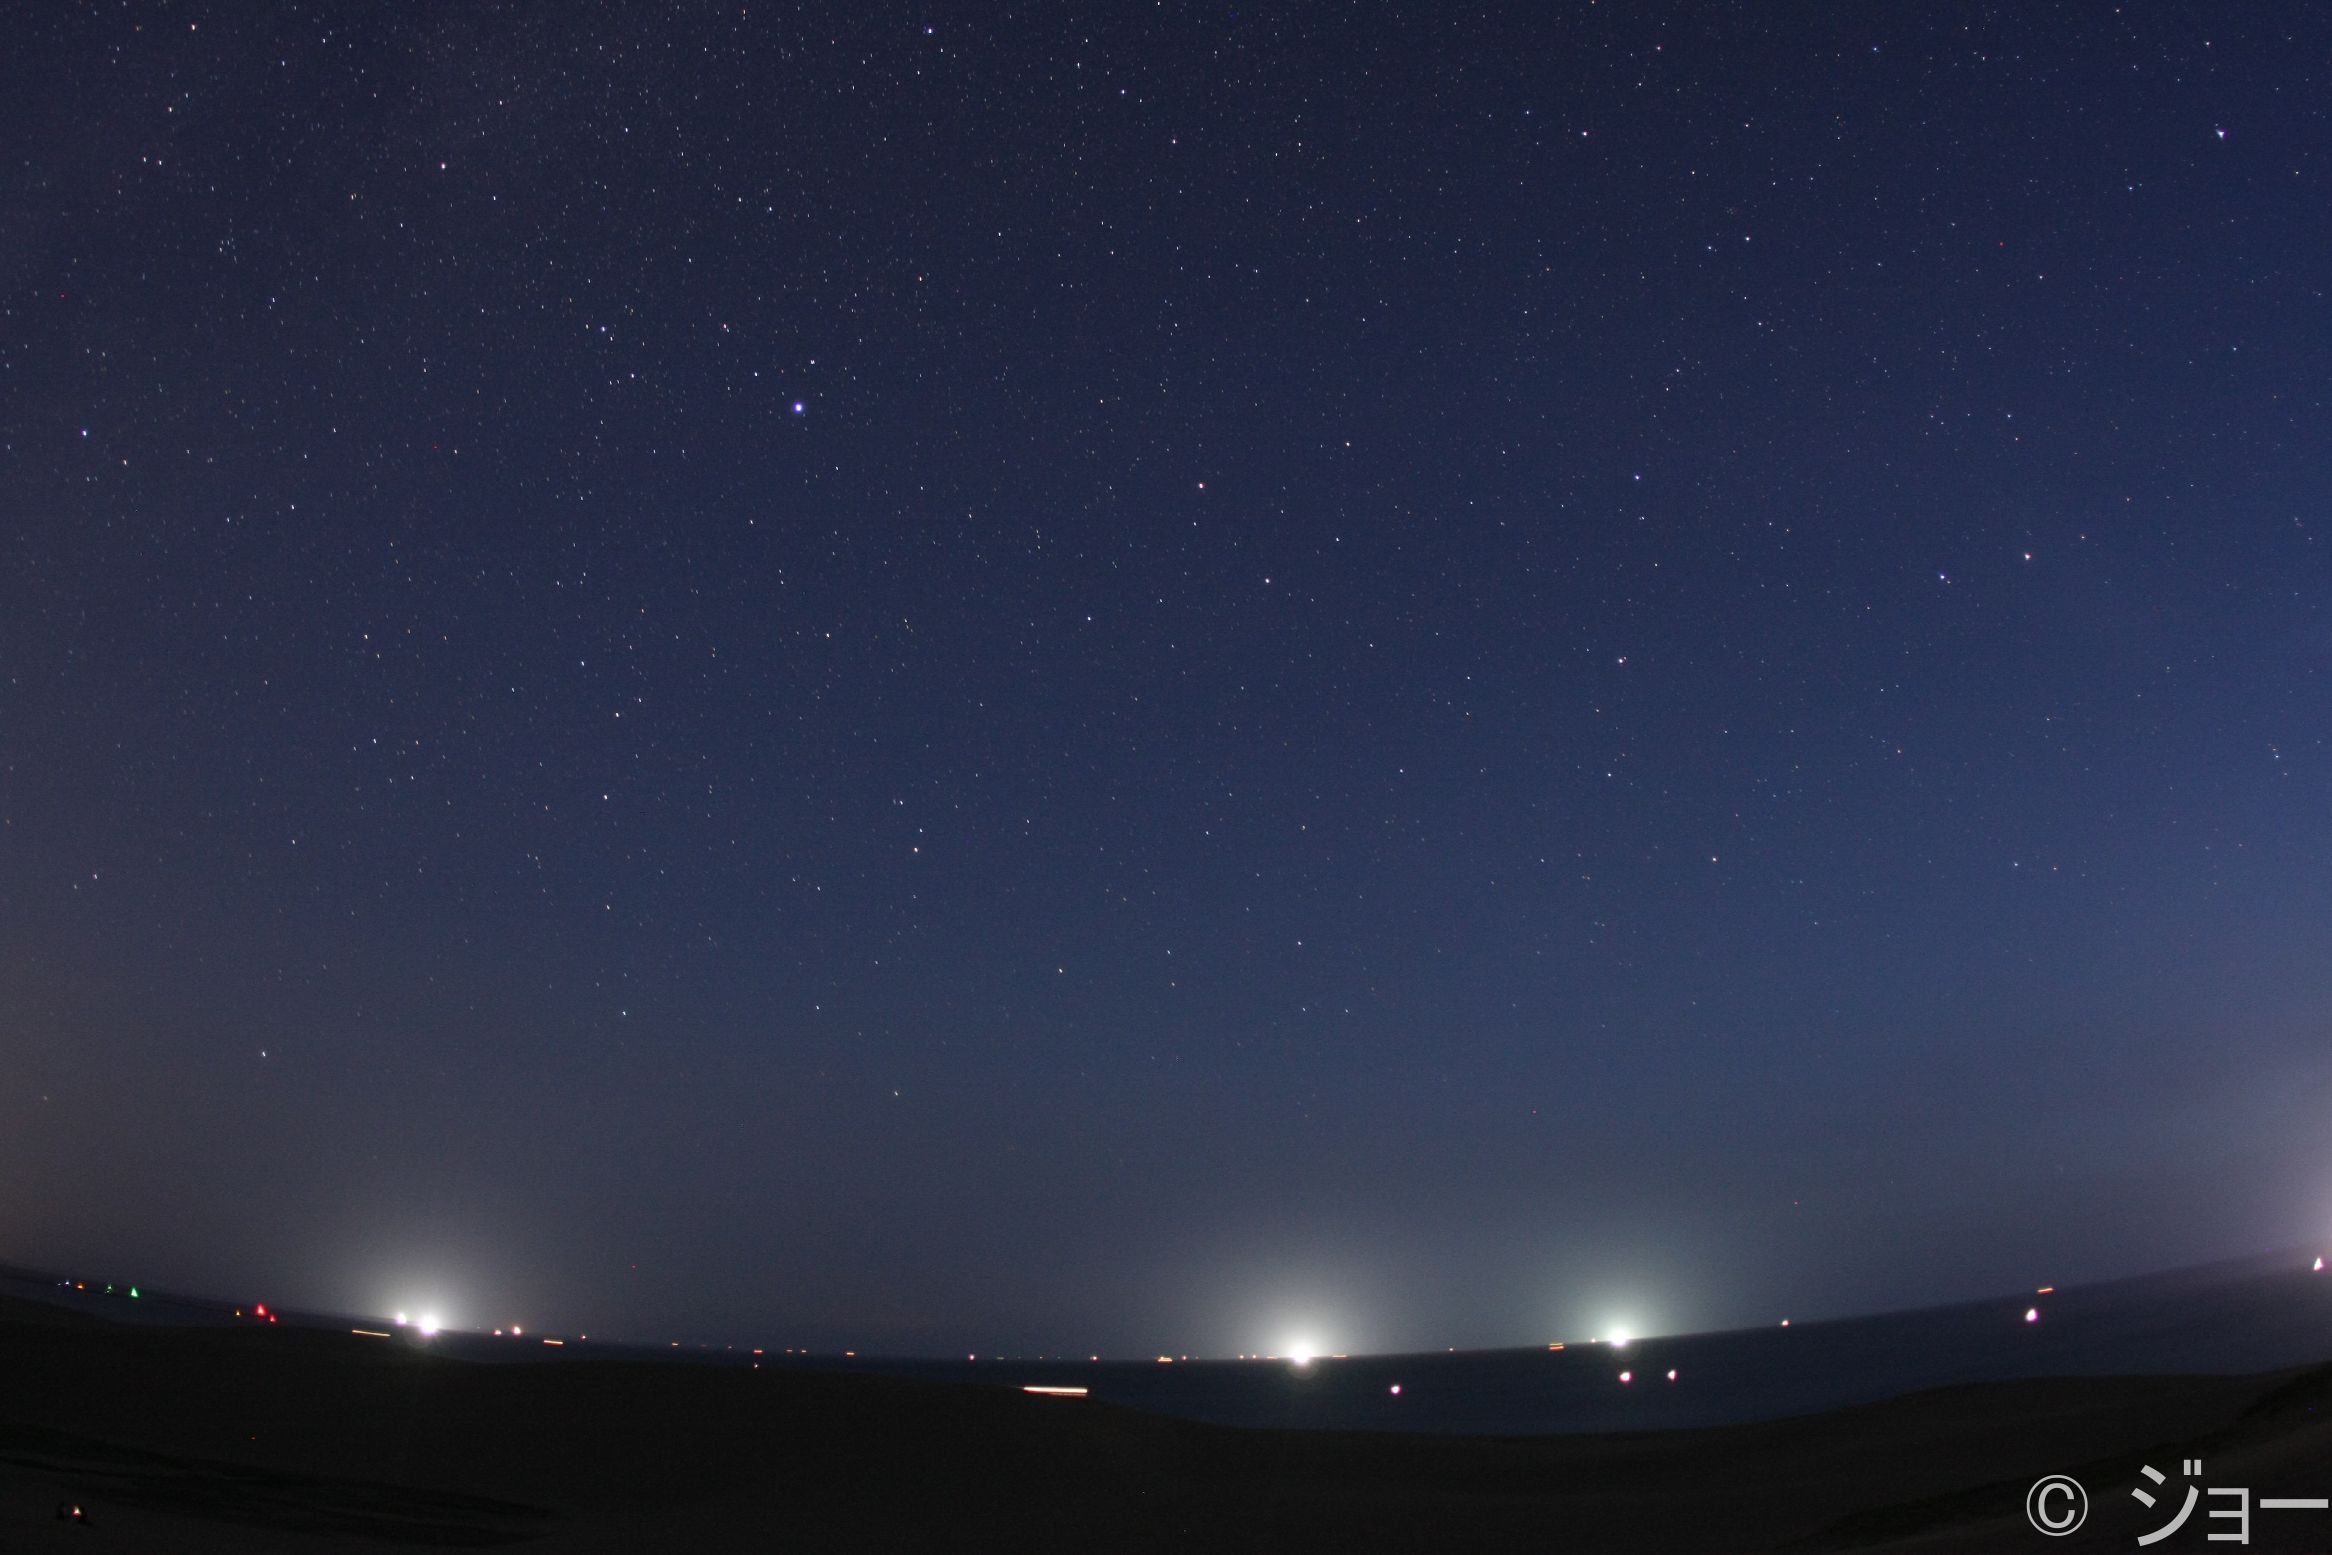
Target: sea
(2249, 1315)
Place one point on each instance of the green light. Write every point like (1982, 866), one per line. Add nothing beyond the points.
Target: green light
(133, 1293)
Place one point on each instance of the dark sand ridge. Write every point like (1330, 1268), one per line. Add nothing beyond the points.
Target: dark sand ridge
(284, 1439)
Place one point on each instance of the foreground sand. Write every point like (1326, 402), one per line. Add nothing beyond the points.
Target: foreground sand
(266, 1440)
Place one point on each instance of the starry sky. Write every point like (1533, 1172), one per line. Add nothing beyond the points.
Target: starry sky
(1119, 678)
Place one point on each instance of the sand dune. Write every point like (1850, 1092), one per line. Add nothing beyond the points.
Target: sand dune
(283, 1439)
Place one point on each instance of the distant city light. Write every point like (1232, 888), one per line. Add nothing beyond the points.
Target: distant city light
(2032, 1314)
(1619, 1338)
(1396, 1390)
(1052, 1392)
(1671, 1374)
(428, 1325)
(1627, 1376)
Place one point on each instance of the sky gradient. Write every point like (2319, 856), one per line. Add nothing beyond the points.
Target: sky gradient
(1144, 678)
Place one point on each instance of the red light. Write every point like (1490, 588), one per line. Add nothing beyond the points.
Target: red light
(261, 1309)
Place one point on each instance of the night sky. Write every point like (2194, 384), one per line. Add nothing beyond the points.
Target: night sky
(1160, 677)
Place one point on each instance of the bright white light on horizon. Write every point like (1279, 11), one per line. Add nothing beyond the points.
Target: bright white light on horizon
(428, 1324)
(1620, 1338)
(400, 1320)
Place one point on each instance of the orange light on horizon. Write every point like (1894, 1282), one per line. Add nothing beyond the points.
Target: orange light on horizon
(1053, 1392)
(558, 1342)
(1554, 1347)
(1165, 1360)
(2045, 1290)
(368, 1333)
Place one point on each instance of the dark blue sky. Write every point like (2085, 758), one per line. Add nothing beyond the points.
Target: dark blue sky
(943, 678)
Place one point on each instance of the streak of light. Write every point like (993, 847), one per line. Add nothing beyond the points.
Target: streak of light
(369, 1333)
(554, 1341)
(1054, 1392)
